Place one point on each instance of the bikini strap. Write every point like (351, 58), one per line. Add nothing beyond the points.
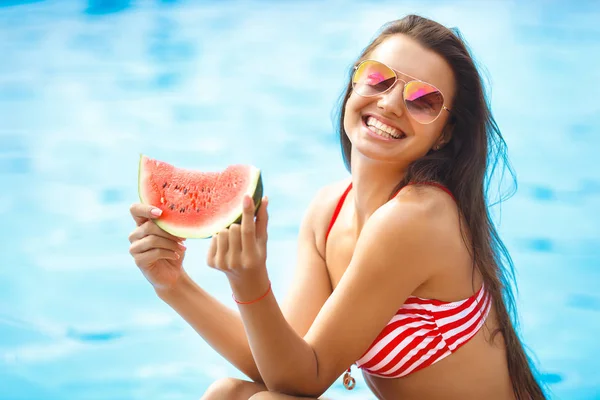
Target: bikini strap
(343, 197)
(337, 210)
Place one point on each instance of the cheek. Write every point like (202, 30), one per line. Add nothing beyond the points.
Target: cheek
(429, 133)
(354, 106)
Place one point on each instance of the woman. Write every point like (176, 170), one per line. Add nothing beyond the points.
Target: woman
(399, 269)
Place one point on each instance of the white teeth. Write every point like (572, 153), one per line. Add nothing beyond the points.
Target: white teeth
(382, 133)
(382, 129)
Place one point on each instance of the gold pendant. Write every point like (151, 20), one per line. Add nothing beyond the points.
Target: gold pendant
(349, 381)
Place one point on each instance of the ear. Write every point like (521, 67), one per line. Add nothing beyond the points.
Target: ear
(446, 133)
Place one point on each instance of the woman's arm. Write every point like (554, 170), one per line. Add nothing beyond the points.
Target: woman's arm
(371, 291)
(222, 327)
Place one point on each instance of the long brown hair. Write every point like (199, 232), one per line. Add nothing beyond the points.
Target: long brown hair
(466, 165)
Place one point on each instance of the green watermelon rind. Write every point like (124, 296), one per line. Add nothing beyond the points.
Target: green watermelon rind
(254, 189)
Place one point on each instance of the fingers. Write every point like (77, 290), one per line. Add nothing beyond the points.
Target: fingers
(151, 248)
(150, 257)
(262, 220)
(154, 242)
(234, 246)
(234, 254)
(150, 228)
(224, 251)
(211, 257)
(143, 212)
(222, 247)
(248, 229)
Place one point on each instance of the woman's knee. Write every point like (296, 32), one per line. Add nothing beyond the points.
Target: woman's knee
(266, 396)
(278, 396)
(260, 396)
(232, 389)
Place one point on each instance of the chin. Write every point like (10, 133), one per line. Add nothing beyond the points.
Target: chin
(370, 153)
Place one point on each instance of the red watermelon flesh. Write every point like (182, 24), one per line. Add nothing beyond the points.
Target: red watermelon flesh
(197, 204)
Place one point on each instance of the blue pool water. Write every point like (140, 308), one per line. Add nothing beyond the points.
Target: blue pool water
(86, 87)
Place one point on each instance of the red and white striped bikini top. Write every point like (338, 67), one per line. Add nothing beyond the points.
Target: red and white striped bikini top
(423, 331)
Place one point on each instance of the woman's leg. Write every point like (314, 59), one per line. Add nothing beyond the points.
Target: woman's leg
(232, 389)
(279, 396)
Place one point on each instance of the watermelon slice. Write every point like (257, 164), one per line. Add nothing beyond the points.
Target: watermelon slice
(197, 204)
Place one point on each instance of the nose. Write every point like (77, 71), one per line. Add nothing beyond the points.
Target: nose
(392, 101)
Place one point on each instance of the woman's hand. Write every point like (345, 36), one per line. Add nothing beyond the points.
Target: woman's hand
(157, 253)
(241, 250)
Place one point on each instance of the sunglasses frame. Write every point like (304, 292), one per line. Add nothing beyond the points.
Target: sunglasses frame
(396, 72)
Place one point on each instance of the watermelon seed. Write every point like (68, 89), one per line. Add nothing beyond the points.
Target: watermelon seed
(185, 191)
(176, 187)
(182, 209)
(164, 185)
(172, 206)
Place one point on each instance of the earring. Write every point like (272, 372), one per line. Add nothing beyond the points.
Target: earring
(437, 147)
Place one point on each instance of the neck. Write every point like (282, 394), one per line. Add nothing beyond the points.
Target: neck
(372, 184)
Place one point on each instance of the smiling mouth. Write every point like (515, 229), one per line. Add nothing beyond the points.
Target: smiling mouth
(383, 130)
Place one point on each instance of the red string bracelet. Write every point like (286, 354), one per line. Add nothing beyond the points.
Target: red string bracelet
(253, 301)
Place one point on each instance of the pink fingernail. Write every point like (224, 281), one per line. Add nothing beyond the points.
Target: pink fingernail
(182, 246)
(177, 255)
(247, 202)
(156, 212)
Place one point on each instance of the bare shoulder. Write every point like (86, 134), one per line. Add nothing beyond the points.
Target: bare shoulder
(430, 200)
(322, 207)
(432, 218)
(424, 216)
(430, 208)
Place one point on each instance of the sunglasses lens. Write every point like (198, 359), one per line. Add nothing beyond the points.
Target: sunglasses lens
(423, 101)
(372, 78)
